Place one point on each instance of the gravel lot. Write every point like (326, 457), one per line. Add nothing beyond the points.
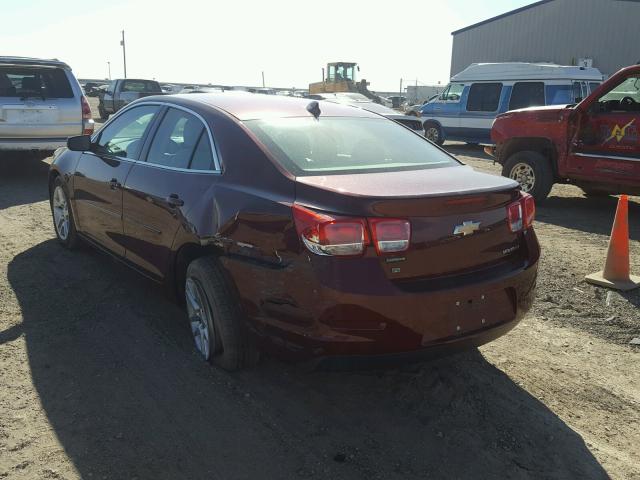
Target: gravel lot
(99, 378)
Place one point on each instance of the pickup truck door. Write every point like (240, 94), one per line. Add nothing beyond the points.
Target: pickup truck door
(605, 146)
(102, 172)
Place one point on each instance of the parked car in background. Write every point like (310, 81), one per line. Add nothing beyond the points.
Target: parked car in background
(416, 110)
(469, 104)
(318, 232)
(594, 144)
(41, 104)
(205, 90)
(92, 89)
(359, 100)
(122, 92)
(170, 89)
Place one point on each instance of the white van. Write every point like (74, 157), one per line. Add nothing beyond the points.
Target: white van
(467, 107)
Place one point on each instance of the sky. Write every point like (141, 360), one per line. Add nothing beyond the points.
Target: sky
(230, 42)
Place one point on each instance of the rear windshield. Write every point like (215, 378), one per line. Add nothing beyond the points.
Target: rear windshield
(24, 82)
(141, 86)
(340, 145)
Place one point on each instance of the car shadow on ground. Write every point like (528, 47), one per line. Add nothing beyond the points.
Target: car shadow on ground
(590, 215)
(23, 179)
(116, 373)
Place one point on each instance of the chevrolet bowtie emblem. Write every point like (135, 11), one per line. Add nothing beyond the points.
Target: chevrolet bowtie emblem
(467, 228)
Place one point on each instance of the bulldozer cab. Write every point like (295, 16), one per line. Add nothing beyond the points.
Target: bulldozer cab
(341, 71)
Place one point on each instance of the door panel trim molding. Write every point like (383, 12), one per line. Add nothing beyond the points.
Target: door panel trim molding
(608, 157)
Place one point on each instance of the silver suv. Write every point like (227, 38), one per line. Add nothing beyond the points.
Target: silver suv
(41, 104)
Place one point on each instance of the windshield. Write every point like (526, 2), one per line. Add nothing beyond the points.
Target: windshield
(340, 145)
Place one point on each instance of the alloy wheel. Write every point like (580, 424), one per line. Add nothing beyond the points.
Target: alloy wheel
(432, 134)
(200, 317)
(523, 173)
(60, 212)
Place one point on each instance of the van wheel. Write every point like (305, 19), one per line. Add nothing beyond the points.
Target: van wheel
(532, 171)
(217, 324)
(434, 133)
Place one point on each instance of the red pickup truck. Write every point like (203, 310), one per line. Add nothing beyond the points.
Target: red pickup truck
(594, 144)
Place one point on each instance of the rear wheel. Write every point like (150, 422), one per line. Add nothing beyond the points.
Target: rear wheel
(62, 216)
(532, 171)
(433, 132)
(217, 324)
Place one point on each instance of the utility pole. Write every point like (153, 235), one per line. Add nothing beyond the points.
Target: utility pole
(400, 87)
(124, 55)
(109, 66)
(263, 79)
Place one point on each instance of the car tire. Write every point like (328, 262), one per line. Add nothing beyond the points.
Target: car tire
(62, 215)
(532, 171)
(217, 323)
(103, 114)
(433, 132)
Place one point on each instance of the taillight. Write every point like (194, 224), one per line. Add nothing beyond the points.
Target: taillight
(521, 213)
(326, 234)
(390, 235)
(86, 108)
(87, 117)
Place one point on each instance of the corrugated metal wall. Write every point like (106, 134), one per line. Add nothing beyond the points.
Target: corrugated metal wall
(560, 31)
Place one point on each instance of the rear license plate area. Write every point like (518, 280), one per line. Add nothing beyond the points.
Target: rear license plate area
(469, 314)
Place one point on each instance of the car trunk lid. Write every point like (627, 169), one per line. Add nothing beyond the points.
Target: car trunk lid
(458, 216)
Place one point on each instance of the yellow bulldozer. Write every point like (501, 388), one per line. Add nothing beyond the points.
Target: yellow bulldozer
(341, 77)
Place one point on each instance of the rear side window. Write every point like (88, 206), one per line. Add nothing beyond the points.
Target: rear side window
(181, 142)
(526, 94)
(593, 86)
(484, 97)
(140, 86)
(39, 82)
(123, 136)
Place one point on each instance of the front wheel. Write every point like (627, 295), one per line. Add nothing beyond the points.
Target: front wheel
(532, 171)
(433, 132)
(217, 325)
(62, 216)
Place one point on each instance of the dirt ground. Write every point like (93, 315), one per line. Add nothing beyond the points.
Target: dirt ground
(99, 378)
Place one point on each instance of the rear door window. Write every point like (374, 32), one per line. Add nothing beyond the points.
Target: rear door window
(123, 136)
(140, 86)
(484, 97)
(526, 94)
(28, 82)
(178, 141)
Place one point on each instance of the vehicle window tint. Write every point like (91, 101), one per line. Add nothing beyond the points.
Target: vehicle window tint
(526, 94)
(140, 86)
(453, 92)
(123, 136)
(484, 97)
(176, 139)
(593, 86)
(559, 94)
(23, 82)
(339, 145)
(203, 156)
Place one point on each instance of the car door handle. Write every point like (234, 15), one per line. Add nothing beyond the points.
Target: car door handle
(114, 184)
(174, 200)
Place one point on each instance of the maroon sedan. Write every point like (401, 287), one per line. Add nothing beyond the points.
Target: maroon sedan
(316, 229)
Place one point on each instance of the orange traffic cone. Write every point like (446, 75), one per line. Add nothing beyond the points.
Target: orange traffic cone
(616, 269)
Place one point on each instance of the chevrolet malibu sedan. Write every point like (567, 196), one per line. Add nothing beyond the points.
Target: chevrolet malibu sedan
(313, 229)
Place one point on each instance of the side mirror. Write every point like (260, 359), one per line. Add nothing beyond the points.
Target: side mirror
(79, 143)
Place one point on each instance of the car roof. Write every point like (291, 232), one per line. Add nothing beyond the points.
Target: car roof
(250, 106)
(525, 71)
(45, 62)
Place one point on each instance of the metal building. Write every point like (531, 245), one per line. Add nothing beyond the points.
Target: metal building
(601, 33)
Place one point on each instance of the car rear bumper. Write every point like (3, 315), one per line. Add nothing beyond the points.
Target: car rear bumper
(421, 319)
(40, 144)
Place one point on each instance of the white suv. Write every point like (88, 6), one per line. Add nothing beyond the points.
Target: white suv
(41, 104)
